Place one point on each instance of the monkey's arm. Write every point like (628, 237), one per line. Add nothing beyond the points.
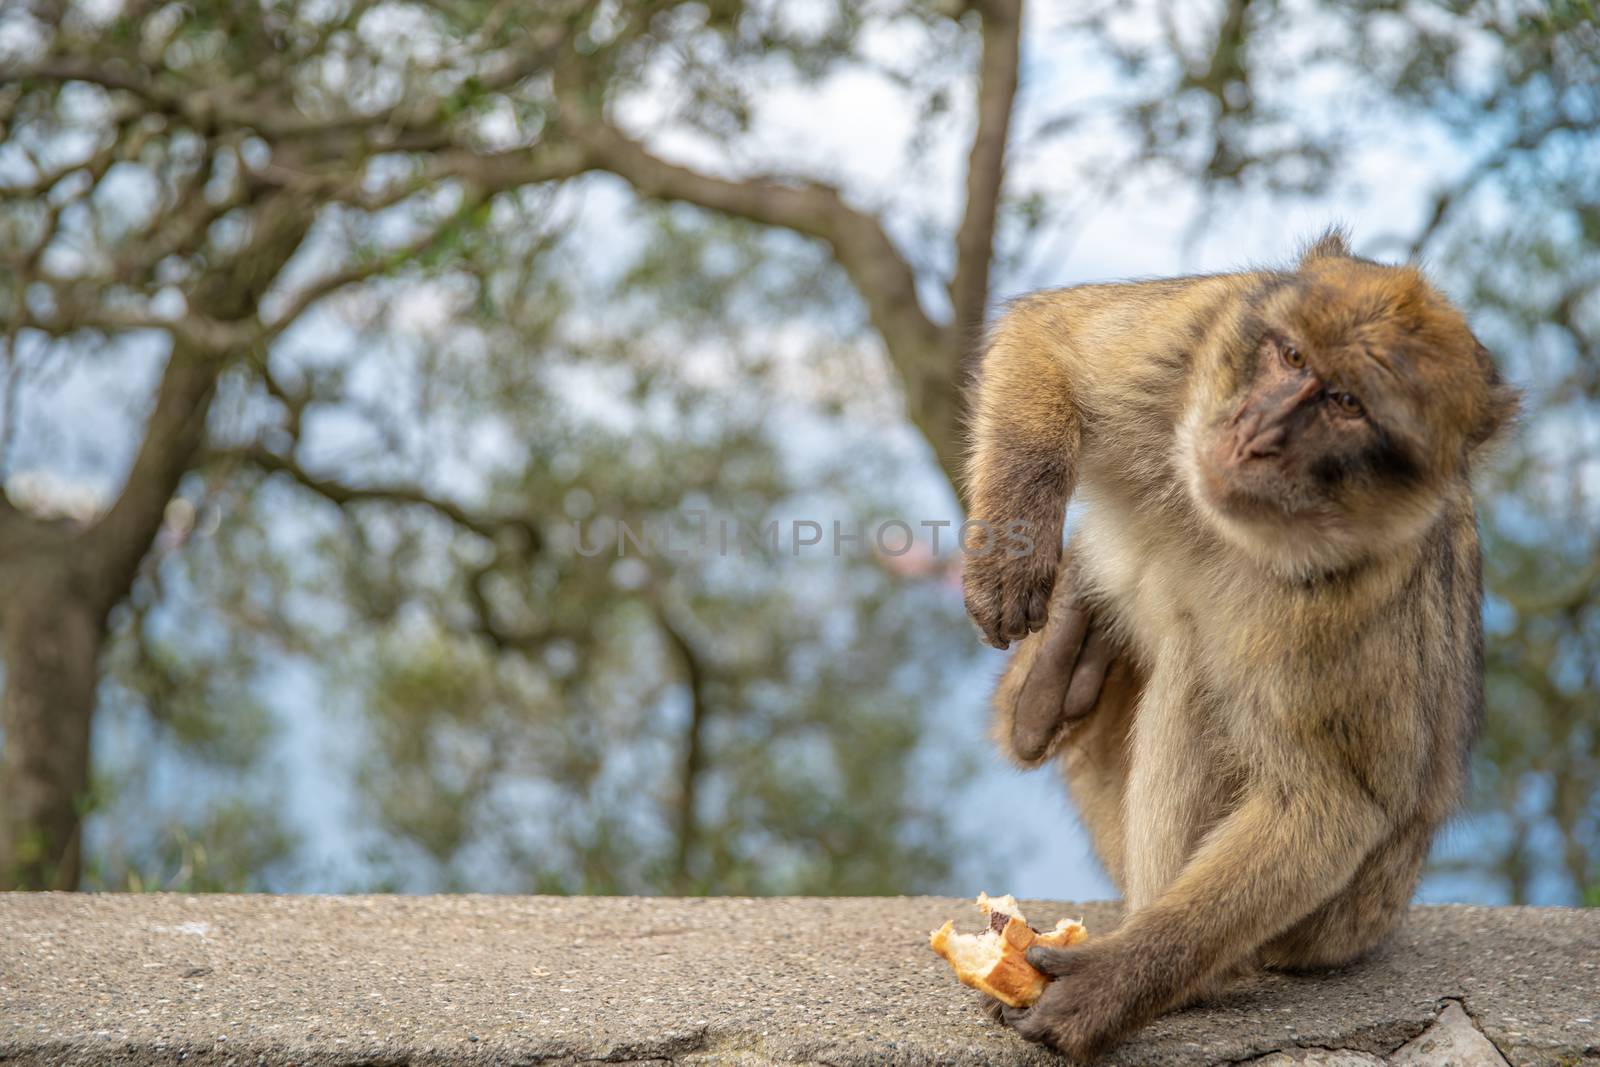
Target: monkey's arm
(1026, 433)
(1283, 851)
(1099, 370)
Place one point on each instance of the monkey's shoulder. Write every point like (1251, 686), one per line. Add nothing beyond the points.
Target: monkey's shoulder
(1119, 322)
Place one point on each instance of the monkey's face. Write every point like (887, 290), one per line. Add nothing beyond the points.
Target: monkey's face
(1350, 411)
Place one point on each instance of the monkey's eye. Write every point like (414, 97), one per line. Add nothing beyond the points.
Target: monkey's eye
(1293, 357)
(1347, 404)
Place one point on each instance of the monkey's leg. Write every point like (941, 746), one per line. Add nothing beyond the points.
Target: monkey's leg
(1055, 677)
(1093, 751)
(1174, 793)
(1070, 691)
(1270, 862)
(1348, 926)
(1094, 761)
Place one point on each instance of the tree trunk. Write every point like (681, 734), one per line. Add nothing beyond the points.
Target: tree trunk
(57, 587)
(51, 631)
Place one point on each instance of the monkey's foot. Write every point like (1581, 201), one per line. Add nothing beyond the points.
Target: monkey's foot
(990, 1007)
(1083, 1011)
(1064, 680)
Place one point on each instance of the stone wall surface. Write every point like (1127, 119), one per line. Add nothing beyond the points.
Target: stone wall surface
(473, 980)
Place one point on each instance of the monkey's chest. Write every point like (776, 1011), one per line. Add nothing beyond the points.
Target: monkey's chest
(1159, 589)
(1180, 599)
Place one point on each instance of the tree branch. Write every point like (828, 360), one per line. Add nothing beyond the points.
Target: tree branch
(360, 272)
(482, 175)
(997, 90)
(197, 332)
(885, 280)
(391, 126)
(489, 527)
(693, 762)
(494, 172)
(57, 68)
(342, 494)
(175, 430)
(924, 352)
(527, 642)
(1446, 199)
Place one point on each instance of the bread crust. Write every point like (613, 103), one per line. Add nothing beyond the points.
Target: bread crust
(995, 962)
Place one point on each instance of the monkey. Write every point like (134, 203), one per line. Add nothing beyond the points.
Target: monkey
(1258, 659)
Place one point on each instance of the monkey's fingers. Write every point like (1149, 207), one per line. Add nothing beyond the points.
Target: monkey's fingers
(1014, 613)
(1030, 1024)
(1056, 962)
(990, 1007)
(987, 620)
(1050, 682)
(1038, 608)
(1009, 598)
(1025, 589)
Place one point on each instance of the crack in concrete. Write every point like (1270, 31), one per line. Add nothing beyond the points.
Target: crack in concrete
(1290, 1050)
(1390, 1049)
(1472, 1016)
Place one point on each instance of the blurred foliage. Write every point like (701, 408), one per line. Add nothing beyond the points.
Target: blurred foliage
(247, 851)
(379, 535)
(523, 712)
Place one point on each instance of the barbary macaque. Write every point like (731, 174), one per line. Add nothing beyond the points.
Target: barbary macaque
(1259, 659)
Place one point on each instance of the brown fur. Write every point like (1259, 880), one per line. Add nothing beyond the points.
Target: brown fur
(1295, 593)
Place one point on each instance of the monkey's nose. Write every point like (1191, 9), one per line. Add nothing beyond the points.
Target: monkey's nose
(1267, 441)
(1263, 430)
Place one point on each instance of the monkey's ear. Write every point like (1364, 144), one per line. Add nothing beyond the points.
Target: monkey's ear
(1333, 244)
(1502, 404)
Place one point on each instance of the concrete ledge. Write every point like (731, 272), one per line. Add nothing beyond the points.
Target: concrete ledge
(546, 980)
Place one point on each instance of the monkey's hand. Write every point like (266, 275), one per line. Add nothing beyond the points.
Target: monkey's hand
(1084, 1010)
(1008, 593)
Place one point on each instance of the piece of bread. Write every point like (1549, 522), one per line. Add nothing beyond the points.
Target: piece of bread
(993, 961)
